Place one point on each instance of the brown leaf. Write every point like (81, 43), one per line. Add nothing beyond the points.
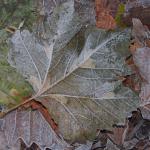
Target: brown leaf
(105, 12)
(117, 136)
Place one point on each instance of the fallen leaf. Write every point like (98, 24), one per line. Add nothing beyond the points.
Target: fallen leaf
(67, 80)
(31, 127)
(117, 136)
(105, 13)
(85, 89)
(79, 99)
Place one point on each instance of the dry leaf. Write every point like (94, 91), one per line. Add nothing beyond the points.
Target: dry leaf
(80, 99)
(86, 90)
(105, 13)
(31, 127)
(117, 136)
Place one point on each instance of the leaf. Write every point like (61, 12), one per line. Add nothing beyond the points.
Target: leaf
(89, 97)
(20, 124)
(105, 13)
(83, 87)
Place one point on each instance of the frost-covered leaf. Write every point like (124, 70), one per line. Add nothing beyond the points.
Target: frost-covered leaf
(21, 125)
(80, 97)
(84, 95)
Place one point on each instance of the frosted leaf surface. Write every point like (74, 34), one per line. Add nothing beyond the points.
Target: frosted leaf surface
(21, 125)
(80, 99)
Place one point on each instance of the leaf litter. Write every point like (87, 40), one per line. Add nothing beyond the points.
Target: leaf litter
(53, 64)
(134, 133)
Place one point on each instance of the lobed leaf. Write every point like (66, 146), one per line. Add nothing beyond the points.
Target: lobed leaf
(80, 96)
